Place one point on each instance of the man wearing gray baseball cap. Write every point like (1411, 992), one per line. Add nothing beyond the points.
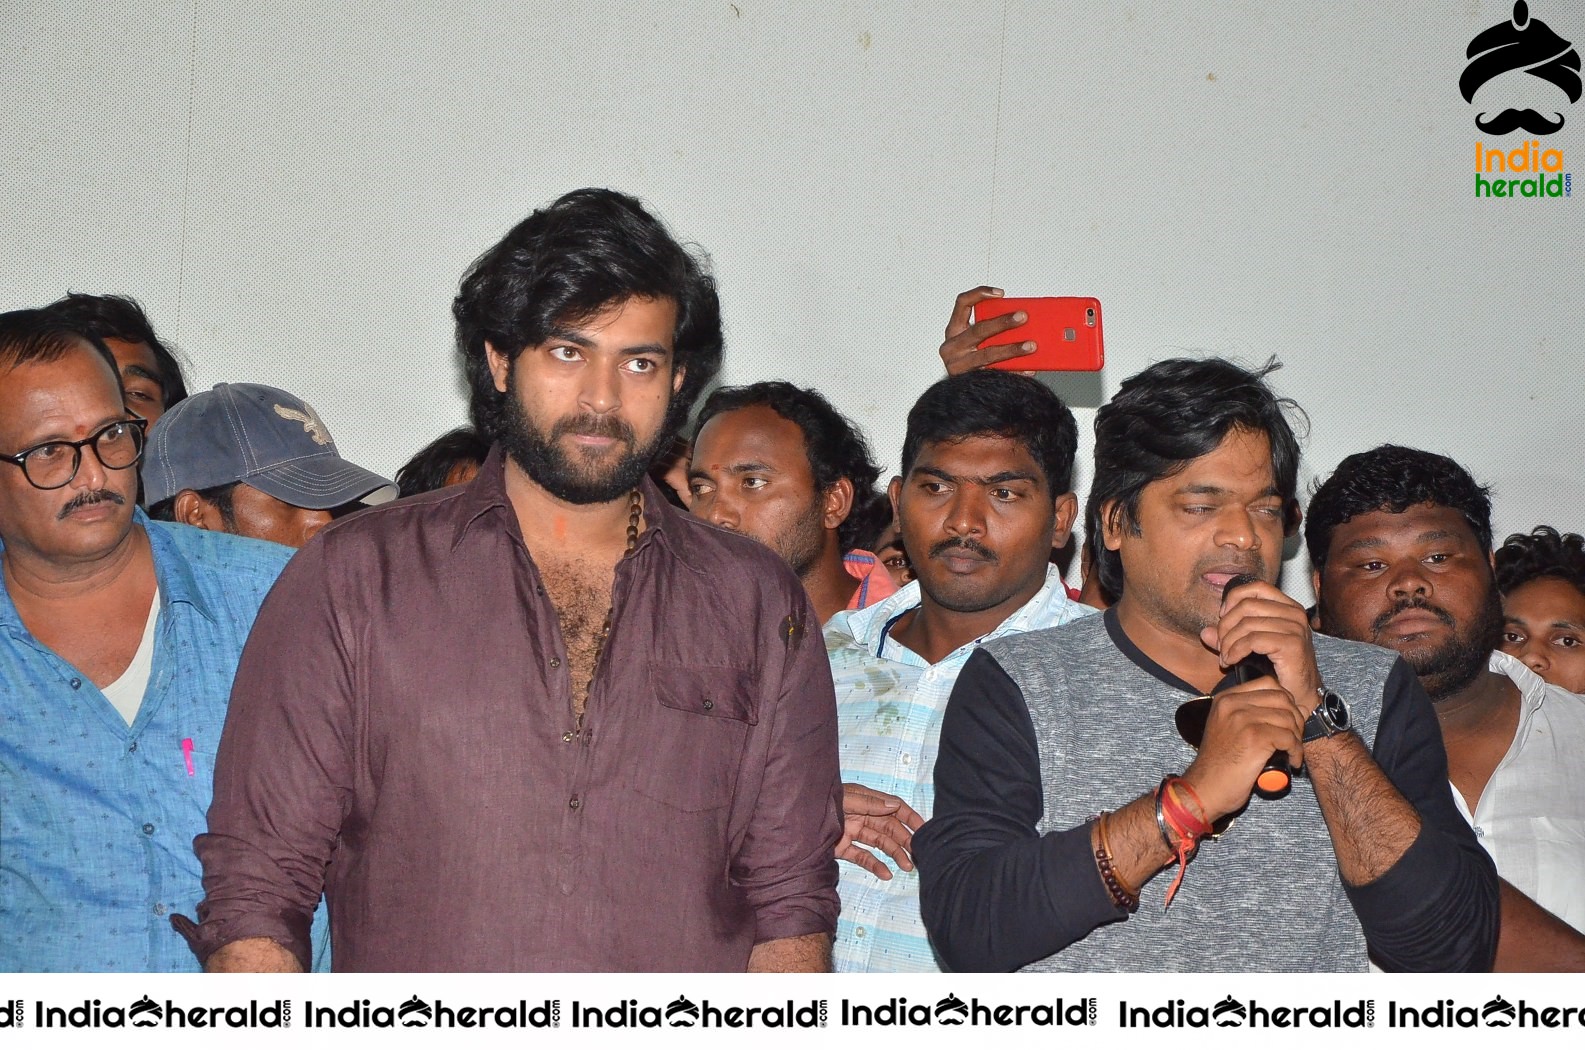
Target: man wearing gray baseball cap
(255, 461)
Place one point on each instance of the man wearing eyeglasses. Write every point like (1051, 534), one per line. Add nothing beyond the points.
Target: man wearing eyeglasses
(1058, 845)
(119, 637)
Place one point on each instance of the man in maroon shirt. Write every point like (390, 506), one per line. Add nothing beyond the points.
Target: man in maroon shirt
(544, 720)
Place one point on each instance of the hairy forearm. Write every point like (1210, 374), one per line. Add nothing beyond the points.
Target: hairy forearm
(252, 955)
(1533, 940)
(1137, 848)
(810, 953)
(1371, 823)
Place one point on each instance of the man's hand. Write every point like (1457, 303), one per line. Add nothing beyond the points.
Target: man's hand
(1261, 619)
(1246, 724)
(884, 822)
(961, 352)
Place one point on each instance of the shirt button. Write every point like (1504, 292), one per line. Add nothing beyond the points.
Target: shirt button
(566, 738)
(148, 829)
(575, 802)
(77, 683)
(555, 661)
(132, 747)
(159, 909)
(709, 705)
(907, 759)
(858, 931)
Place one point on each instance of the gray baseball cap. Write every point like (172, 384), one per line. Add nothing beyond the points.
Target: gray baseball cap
(260, 436)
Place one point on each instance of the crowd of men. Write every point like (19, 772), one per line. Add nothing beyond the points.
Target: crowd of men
(602, 682)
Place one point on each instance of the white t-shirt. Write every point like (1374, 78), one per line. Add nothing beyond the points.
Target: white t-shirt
(126, 693)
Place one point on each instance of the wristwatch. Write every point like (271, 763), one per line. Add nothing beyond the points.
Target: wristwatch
(1329, 718)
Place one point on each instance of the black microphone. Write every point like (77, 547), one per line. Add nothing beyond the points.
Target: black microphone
(1276, 777)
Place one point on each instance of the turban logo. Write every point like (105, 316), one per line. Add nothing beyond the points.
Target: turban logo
(1522, 43)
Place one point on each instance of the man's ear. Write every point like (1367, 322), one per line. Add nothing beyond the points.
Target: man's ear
(894, 489)
(1067, 510)
(1292, 518)
(1111, 525)
(837, 503)
(192, 509)
(500, 366)
(677, 376)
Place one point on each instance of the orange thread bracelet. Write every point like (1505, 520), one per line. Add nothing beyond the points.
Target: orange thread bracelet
(1188, 828)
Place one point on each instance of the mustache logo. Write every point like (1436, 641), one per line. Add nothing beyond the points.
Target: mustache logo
(1513, 119)
(963, 543)
(1380, 623)
(1521, 44)
(88, 499)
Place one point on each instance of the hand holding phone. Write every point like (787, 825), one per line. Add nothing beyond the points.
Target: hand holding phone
(1066, 331)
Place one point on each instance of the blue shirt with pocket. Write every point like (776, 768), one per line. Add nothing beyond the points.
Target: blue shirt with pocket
(97, 818)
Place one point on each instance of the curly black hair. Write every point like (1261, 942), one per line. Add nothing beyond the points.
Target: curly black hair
(1544, 552)
(565, 263)
(1392, 478)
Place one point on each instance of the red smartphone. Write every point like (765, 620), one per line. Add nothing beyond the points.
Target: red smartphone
(1066, 330)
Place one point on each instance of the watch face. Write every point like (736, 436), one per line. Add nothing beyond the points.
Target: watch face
(1334, 710)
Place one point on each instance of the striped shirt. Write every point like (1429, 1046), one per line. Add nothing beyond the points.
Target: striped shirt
(889, 708)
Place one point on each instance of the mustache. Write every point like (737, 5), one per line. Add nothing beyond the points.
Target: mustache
(88, 499)
(1512, 119)
(1405, 604)
(591, 425)
(963, 543)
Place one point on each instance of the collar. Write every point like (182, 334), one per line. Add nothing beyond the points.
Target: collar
(485, 497)
(173, 574)
(869, 627)
(1533, 689)
(1138, 657)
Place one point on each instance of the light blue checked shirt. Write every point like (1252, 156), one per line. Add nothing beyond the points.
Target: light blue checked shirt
(97, 818)
(889, 708)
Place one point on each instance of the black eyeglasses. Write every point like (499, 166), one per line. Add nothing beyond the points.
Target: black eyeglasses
(54, 464)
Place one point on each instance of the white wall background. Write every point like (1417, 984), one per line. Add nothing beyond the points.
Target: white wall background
(294, 189)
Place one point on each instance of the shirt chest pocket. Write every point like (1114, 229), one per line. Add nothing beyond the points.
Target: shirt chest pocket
(692, 736)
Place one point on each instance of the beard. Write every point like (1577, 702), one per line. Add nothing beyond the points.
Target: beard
(1454, 664)
(801, 545)
(576, 477)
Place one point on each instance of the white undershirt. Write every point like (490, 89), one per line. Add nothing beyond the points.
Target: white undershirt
(126, 693)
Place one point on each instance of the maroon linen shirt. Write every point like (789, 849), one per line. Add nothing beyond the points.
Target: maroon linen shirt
(401, 734)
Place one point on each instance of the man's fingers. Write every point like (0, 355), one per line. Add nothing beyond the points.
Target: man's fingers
(964, 304)
(906, 813)
(886, 834)
(865, 859)
(856, 798)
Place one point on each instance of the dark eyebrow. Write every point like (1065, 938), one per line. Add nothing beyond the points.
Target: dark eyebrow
(139, 372)
(1217, 490)
(1372, 542)
(995, 479)
(122, 417)
(1556, 625)
(564, 335)
(751, 467)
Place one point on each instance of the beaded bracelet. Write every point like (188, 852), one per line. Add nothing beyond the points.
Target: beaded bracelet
(1122, 896)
